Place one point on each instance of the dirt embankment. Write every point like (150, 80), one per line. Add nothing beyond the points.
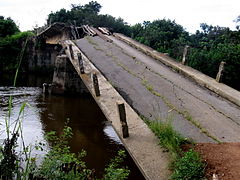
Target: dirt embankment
(221, 159)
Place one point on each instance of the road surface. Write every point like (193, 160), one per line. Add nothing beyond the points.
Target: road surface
(158, 93)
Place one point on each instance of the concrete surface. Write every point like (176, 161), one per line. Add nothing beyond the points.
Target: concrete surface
(157, 92)
(142, 144)
(202, 79)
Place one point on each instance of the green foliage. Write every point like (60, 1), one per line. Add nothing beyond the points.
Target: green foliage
(208, 47)
(88, 14)
(10, 48)
(189, 167)
(9, 160)
(8, 164)
(114, 24)
(213, 45)
(162, 35)
(168, 137)
(7, 27)
(114, 171)
(60, 163)
(186, 165)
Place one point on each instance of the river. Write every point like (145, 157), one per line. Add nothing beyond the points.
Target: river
(91, 130)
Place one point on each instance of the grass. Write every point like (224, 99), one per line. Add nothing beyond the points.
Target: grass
(168, 137)
(184, 165)
(189, 166)
(185, 114)
(10, 161)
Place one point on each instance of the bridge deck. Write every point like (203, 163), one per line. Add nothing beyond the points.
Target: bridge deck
(157, 92)
(152, 161)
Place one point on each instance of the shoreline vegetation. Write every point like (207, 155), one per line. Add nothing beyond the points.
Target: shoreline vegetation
(58, 162)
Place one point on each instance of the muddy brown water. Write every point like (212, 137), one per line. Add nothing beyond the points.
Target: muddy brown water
(91, 130)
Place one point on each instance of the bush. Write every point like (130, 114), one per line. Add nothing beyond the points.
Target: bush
(186, 165)
(10, 48)
(189, 167)
(168, 138)
(113, 171)
(61, 163)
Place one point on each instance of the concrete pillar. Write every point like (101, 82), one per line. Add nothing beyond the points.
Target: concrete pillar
(95, 84)
(185, 54)
(80, 62)
(65, 78)
(71, 51)
(123, 120)
(59, 74)
(45, 88)
(220, 72)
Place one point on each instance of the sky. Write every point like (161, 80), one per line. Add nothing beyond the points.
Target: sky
(188, 13)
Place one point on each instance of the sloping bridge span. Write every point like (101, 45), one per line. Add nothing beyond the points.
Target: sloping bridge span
(157, 92)
(130, 73)
(141, 144)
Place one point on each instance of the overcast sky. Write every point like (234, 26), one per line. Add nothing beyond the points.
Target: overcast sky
(188, 13)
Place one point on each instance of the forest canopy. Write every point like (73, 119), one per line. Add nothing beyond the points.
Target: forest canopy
(208, 46)
(11, 41)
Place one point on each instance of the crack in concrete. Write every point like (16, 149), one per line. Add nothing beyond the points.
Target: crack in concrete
(185, 114)
(180, 88)
(175, 93)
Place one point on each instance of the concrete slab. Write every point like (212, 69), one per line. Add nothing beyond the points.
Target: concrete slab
(202, 79)
(142, 144)
(159, 93)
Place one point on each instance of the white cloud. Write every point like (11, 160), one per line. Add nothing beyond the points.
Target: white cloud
(188, 13)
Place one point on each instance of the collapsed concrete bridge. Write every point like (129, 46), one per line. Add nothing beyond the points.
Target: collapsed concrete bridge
(149, 83)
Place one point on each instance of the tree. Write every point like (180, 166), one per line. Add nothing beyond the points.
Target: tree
(92, 7)
(7, 27)
(211, 46)
(78, 13)
(162, 35)
(88, 14)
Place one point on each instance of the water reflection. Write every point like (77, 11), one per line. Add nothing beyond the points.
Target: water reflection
(31, 126)
(87, 122)
(91, 132)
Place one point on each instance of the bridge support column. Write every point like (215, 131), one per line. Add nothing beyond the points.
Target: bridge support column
(65, 78)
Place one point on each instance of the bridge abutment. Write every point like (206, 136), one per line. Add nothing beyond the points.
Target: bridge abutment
(66, 79)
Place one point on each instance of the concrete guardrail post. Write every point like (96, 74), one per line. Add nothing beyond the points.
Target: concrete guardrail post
(71, 51)
(45, 88)
(80, 61)
(50, 86)
(95, 84)
(122, 116)
(220, 72)
(185, 54)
